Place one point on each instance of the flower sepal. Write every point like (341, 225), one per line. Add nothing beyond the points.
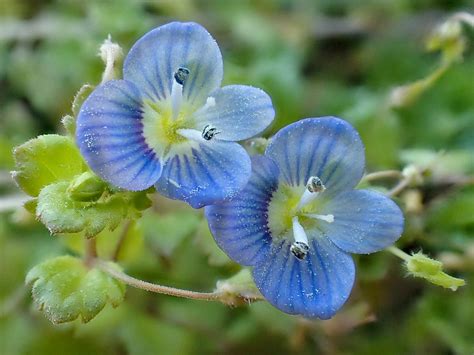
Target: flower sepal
(420, 265)
(86, 187)
(239, 289)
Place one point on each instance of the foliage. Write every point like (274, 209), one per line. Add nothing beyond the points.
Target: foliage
(65, 289)
(314, 58)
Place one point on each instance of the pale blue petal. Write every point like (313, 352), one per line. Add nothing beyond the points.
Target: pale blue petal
(240, 112)
(153, 60)
(315, 287)
(364, 221)
(109, 135)
(210, 173)
(326, 147)
(239, 226)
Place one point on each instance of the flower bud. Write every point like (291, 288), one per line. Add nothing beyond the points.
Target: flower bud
(86, 188)
(419, 265)
(239, 289)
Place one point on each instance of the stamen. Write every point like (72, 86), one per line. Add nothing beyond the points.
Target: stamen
(314, 187)
(192, 134)
(315, 184)
(323, 217)
(300, 247)
(209, 132)
(180, 77)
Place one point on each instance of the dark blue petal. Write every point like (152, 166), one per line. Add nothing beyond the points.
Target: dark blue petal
(210, 173)
(327, 147)
(109, 135)
(240, 112)
(364, 221)
(239, 226)
(153, 60)
(315, 287)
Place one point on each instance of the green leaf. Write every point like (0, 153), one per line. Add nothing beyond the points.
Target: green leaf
(60, 214)
(165, 233)
(45, 160)
(207, 245)
(130, 233)
(64, 288)
(145, 334)
(456, 212)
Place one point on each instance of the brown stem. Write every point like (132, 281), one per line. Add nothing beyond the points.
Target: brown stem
(399, 187)
(121, 239)
(385, 174)
(147, 286)
(90, 251)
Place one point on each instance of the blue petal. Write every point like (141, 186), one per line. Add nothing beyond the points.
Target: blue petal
(364, 221)
(326, 147)
(109, 135)
(209, 173)
(315, 287)
(240, 112)
(239, 226)
(153, 60)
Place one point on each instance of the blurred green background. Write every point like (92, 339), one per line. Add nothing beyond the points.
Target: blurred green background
(314, 58)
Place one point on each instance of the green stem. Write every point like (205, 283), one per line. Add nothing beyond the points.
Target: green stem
(398, 252)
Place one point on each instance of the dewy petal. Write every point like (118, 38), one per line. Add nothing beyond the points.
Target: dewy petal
(239, 226)
(153, 60)
(109, 135)
(207, 173)
(315, 287)
(239, 112)
(326, 147)
(364, 221)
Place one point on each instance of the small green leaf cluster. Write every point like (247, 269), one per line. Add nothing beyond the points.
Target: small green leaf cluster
(66, 289)
(67, 197)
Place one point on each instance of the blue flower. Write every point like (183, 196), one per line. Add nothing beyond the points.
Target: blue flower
(299, 217)
(169, 124)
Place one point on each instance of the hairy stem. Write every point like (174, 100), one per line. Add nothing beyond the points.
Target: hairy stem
(402, 184)
(90, 251)
(385, 174)
(147, 286)
(122, 237)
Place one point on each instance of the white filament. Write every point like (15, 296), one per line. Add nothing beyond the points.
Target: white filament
(323, 217)
(176, 98)
(298, 232)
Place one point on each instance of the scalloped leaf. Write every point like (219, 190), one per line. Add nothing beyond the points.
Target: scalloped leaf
(44, 160)
(61, 214)
(64, 288)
